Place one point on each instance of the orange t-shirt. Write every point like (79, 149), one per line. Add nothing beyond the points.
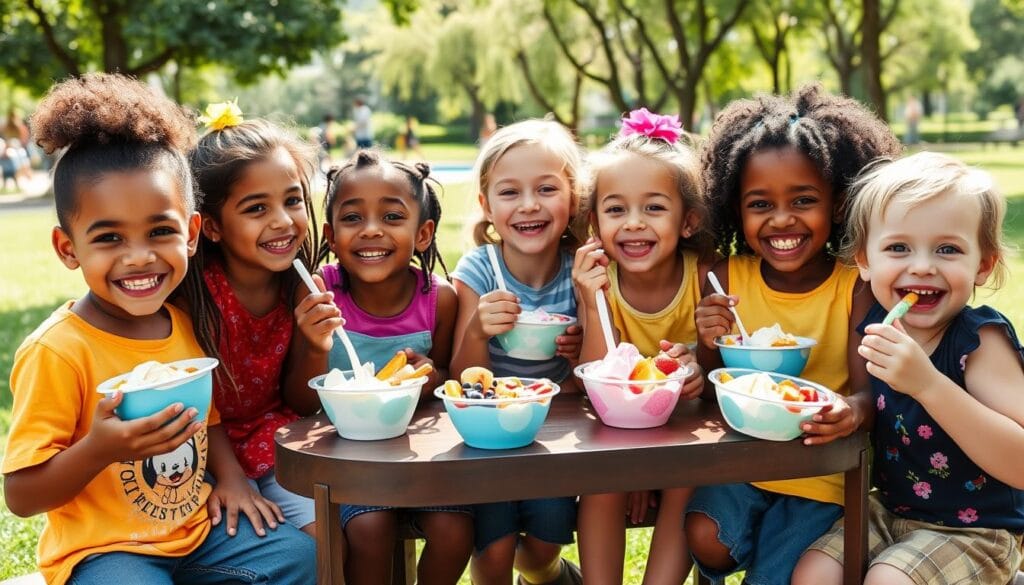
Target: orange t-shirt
(153, 507)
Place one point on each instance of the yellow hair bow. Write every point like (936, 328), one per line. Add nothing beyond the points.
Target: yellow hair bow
(222, 115)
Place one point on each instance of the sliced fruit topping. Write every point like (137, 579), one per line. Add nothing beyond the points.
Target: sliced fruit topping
(394, 364)
(666, 364)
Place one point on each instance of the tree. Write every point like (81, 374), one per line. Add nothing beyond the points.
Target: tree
(771, 22)
(450, 45)
(677, 36)
(43, 40)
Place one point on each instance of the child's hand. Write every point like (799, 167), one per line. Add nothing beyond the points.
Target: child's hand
(896, 359)
(590, 271)
(568, 344)
(317, 317)
(417, 360)
(694, 383)
(497, 312)
(637, 504)
(113, 439)
(713, 318)
(832, 422)
(234, 494)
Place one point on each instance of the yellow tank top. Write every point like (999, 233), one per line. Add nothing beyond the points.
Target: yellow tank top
(822, 314)
(673, 323)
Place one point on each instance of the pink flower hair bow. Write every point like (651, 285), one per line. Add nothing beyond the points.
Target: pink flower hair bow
(667, 128)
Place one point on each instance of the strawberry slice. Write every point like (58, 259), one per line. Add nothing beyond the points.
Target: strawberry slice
(809, 394)
(666, 364)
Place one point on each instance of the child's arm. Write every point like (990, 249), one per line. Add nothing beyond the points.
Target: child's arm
(233, 492)
(713, 319)
(480, 319)
(987, 421)
(590, 274)
(58, 480)
(316, 318)
(854, 411)
(441, 347)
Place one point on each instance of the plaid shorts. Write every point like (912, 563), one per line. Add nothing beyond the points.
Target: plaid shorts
(931, 554)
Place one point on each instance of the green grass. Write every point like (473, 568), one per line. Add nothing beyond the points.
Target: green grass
(34, 282)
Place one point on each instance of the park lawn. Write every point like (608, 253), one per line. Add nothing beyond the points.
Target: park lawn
(34, 282)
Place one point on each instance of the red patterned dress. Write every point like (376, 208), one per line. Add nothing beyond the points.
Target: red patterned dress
(252, 349)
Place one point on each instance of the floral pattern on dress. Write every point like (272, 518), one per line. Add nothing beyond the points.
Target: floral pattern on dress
(940, 465)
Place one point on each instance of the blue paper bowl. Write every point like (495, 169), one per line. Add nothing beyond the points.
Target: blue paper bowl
(373, 414)
(194, 391)
(533, 341)
(500, 423)
(763, 418)
(789, 360)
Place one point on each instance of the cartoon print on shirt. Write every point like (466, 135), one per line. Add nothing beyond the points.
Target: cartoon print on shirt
(167, 487)
(168, 472)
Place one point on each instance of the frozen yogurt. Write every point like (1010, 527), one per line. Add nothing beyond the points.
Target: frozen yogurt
(394, 373)
(625, 362)
(772, 336)
(480, 383)
(149, 374)
(542, 317)
(761, 385)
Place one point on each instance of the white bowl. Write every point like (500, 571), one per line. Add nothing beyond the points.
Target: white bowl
(372, 414)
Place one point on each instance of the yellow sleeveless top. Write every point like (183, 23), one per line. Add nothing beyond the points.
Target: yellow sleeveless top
(673, 323)
(822, 314)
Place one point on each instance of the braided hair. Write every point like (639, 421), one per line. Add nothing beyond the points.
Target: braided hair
(838, 134)
(422, 188)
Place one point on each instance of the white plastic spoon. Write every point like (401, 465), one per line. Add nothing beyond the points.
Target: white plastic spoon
(718, 289)
(357, 366)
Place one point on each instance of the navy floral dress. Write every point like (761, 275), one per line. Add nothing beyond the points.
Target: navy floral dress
(920, 471)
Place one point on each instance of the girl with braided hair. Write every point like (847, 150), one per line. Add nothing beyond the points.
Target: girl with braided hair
(379, 216)
(776, 173)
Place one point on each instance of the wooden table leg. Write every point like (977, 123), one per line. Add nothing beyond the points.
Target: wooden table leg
(403, 564)
(330, 550)
(855, 523)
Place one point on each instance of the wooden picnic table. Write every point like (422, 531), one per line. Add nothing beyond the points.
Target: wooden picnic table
(574, 454)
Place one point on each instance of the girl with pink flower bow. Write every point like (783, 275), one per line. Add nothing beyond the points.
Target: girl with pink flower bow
(651, 252)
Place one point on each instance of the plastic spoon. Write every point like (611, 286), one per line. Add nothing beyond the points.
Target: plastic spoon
(493, 256)
(718, 289)
(606, 321)
(357, 366)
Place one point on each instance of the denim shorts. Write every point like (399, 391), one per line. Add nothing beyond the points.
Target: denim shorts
(765, 532)
(350, 511)
(298, 510)
(550, 519)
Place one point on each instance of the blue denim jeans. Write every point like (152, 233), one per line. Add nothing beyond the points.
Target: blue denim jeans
(286, 556)
(548, 519)
(765, 532)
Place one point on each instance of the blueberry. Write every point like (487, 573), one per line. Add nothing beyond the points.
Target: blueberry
(467, 385)
(478, 386)
(489, 394)
(474, 394)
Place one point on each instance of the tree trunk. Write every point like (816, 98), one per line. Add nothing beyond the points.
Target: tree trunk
(872, 56)
(115, 49)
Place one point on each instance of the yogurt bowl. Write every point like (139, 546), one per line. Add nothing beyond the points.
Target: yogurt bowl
(152, 386)
(632, 404)
(370, 409)
(533, 336)
(761, 413)
(789, 360)
(498, 423)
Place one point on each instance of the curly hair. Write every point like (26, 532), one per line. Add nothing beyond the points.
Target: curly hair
(217, 162)
(678, 158)
(107, 122)
(422, 188)
(838, 134)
